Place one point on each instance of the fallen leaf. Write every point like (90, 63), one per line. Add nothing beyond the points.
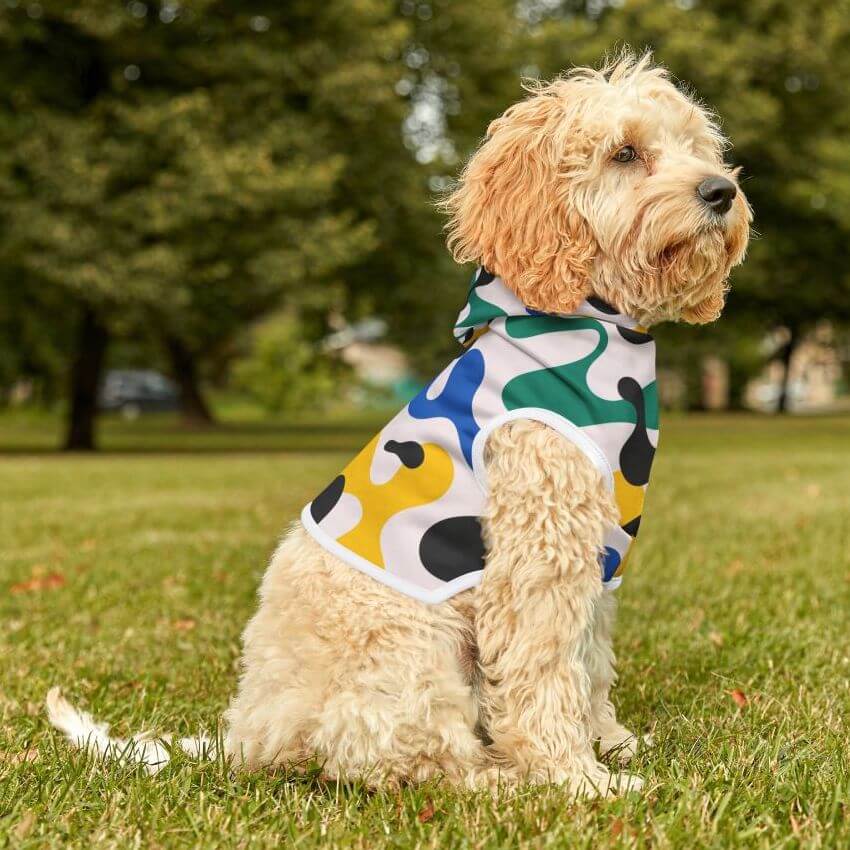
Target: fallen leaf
(740, 698)
(697, 619)
(617, 827)
(426, 813)
(22, 757)
(38, 583)
(24, 826)
(185, 625)
(716, 638)
(735, 567)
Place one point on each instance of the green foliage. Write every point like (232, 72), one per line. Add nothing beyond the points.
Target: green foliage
(188, 168)
(180, 180)
(284, 371)
(455, 69)
(34, 341)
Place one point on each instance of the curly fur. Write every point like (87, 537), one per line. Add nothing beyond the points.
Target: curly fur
(509, 681)
(382, 688)
(541, 203)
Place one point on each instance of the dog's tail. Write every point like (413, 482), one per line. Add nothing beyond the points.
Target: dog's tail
(85, 733)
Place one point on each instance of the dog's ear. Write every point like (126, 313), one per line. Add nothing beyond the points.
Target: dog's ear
(705, 311)
(511, 211)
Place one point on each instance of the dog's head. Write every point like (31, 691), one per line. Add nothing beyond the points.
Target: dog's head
(610, 183)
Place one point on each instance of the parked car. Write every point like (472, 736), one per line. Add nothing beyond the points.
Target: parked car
(136, 391)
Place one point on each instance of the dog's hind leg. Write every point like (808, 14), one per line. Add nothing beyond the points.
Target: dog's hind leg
(388, 726)
(339, 668)
(546, 514)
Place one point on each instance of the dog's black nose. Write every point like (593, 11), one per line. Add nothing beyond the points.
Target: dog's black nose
(718, 193)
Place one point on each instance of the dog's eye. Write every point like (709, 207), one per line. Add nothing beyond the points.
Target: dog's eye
(625, 154)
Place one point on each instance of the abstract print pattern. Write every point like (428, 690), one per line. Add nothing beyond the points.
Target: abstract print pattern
(455, 401)
(478, 311)
(567, 385)
(407, 509)
(424, 475)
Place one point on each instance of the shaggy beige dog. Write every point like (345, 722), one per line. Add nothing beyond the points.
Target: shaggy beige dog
(609, 183)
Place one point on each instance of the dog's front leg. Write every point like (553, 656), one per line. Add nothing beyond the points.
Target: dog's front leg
(614, 739)
(545, 520)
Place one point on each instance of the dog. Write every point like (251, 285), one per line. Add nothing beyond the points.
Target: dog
(602, 194)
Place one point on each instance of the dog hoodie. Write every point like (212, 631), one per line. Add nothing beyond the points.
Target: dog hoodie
(407, 509)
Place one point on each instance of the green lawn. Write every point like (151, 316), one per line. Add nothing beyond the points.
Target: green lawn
(127, 578)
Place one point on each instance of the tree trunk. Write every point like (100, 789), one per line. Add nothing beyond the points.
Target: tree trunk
(184, 369)
(86, 372)
(787, 355)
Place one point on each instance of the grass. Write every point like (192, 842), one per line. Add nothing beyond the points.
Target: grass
(127, 578)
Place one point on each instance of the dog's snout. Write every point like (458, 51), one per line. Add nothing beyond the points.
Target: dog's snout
(717, 193)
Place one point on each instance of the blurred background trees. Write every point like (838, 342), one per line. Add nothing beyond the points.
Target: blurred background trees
(215, 189)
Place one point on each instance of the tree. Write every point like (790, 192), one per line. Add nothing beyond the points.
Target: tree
(34, 334)
(161, 174)
(400, 134)
(177, 172)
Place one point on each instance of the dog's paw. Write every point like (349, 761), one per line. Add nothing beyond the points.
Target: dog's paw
(495, 779)
(604, 784)
(624, 783)
(623, 745)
